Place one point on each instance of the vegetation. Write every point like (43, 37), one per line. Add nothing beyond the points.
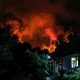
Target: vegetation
(73, 75)
(19, 61)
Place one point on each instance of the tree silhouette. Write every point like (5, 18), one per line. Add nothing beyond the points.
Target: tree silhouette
(19, 61)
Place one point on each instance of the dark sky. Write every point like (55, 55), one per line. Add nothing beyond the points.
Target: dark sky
(25, 6)
(65, 8)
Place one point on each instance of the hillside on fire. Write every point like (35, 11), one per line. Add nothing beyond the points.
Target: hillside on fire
(28, 53)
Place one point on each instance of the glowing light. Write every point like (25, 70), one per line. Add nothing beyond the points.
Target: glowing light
(74, 62)
(51, 48)
(48, 57)
(51, 34)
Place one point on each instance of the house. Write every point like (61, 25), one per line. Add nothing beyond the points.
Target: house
(71, 62)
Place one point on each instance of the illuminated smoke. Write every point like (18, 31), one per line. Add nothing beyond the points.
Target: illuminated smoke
(40, 27)
(39, 30)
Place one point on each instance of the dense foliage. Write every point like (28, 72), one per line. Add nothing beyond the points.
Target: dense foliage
(73, 76)
(19, 61)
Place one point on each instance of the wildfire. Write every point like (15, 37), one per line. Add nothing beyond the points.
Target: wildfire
(39, 31)
(51, 34)
(51, 48)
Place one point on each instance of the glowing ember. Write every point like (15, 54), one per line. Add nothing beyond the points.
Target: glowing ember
(51, 48)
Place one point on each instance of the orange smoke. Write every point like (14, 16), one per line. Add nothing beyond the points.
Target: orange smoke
(51, 34)
(39, 31)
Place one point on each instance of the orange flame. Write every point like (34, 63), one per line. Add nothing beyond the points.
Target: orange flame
(39, 31)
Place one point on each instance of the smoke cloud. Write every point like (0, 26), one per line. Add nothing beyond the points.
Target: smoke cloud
(42, 20)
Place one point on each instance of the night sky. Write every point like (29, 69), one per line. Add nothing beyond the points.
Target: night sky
(63, 7)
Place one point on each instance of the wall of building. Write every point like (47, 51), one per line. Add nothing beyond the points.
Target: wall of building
(66, 61)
